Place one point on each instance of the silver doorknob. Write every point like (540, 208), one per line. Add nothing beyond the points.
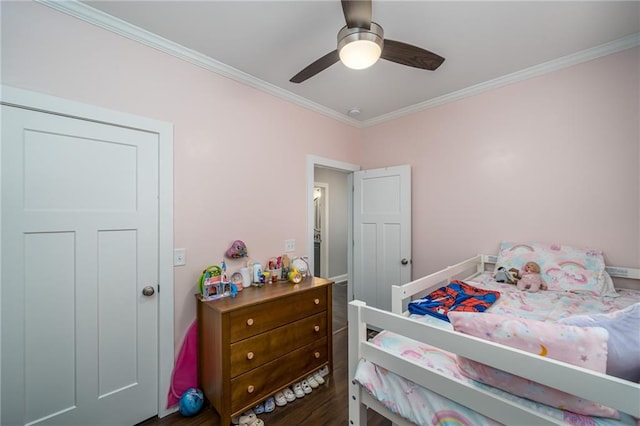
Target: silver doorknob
(404, 261)
(148, 290)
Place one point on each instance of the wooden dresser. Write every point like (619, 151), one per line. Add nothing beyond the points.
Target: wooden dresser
(261, 341)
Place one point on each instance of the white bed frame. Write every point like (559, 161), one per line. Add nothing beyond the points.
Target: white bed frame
(607, 390)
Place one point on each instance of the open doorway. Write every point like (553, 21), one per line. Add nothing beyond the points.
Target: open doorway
(334, 180)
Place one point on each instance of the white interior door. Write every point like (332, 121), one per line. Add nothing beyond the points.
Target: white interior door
(79, 243)
(382, 233)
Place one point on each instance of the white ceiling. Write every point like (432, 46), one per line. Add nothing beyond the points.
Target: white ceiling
(270, 41)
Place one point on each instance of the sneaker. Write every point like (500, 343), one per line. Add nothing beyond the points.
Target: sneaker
(305, 387)
(318, 378)
(247, 419)
(312, 381)
(324, 371)
(281, 400)
(269, 405)
(259, 409)
(289, 395)
(297, 390)
(236, 420)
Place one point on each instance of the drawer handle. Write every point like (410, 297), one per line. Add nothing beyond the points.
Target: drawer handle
(316, 301)
(316, 328)
(250, 389)
(249, 355)
(250, 321)
(317, 355)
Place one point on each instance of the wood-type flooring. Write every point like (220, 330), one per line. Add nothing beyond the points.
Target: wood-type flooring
(327, 405)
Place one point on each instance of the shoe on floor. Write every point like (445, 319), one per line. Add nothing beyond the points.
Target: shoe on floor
(248, 420)
(312, 381)
(318, 378)
(269, 405)
(305, 387)
(297, 390)
(324, 371)
(280, 399)
(289, 395)
(259, 409)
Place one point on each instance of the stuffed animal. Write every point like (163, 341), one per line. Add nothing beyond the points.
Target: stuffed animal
(237, 250)
(504, 276)
(531, 280)
(515, 274)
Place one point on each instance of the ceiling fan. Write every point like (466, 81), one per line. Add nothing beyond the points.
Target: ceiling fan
(361, 42)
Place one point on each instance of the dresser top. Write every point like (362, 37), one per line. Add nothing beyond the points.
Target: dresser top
(254, 295)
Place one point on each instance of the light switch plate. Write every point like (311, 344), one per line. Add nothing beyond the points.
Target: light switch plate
(289, 246)
(179, 257)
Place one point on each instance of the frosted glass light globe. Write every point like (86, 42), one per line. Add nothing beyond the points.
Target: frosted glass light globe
(360, 54)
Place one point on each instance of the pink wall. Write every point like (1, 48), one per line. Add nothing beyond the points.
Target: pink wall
(553, 158)
(239, 153)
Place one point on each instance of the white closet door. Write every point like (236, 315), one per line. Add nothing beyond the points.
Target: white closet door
(79, 244)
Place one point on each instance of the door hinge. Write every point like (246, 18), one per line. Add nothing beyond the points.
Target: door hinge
(158, 288)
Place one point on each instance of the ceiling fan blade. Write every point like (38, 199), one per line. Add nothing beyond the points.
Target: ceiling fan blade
(406, 54)
(357, 13)
(320, 65)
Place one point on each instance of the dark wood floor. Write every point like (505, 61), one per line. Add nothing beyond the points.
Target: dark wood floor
(327, 405)
(339, 306)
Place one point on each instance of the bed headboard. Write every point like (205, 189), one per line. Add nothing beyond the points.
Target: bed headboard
(470, 268)
(614, 271)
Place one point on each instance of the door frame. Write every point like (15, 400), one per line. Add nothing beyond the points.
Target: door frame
(324, 233)
(21, 98)
(312, 162)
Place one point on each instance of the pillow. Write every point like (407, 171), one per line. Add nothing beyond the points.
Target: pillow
(584, 347)
(623, 360)
(563, 268)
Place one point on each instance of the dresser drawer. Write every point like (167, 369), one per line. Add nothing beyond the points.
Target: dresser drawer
(253, 352)
(262, 382)
(252, 320)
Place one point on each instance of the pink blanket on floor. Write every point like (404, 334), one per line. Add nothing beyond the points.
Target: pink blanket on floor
(185, 370)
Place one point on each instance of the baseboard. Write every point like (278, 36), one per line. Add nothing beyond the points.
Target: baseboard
(340, 279)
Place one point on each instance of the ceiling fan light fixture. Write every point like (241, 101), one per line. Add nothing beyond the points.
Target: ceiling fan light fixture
(359, 48)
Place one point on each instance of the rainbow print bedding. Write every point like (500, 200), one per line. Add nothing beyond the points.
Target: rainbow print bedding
(424, 407)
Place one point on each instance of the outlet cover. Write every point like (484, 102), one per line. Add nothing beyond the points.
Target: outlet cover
(289, 246)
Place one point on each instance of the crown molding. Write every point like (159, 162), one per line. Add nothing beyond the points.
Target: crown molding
(618, 45)
(96, 17)
(101, 19)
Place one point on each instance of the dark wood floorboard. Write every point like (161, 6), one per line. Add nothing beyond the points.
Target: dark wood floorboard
(339, 306)
(326, 405)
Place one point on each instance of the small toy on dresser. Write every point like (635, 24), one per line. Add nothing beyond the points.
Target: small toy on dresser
(531, 280)
(214, 283)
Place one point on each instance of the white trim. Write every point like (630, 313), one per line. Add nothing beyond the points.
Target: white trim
(96, 17)
(116, 25)
(41, 102)
(324, 232)
(624, 43)
(340, 278)
(312, 162)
